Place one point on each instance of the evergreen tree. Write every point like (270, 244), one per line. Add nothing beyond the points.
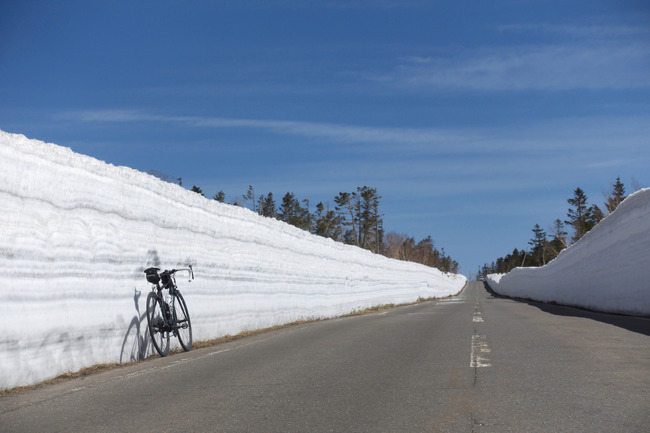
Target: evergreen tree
(505, 264)
(369, 220)
(580, 217)
(292, 213)
(269, 204)
(427, 254)
(287, 211)
(358, 213)
(250, 195)
(266, 206)
(538, 243)
(220, 196)
(558, 242)
(616, 196)
(347, 213)
(355, 220)
(318, 215)
(378, 226)
(197, 190)
(326, 222)
(305, 220)
(485, 271)
(516, 259)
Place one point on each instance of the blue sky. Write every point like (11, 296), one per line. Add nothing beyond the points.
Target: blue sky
(474, 120)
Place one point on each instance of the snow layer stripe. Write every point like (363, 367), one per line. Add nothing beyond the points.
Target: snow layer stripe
(607, 270)
(77, 234)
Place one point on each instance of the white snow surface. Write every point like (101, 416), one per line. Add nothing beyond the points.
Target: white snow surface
(607, 270)
(77, 234)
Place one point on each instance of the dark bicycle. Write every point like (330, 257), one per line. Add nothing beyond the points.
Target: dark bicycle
(167, 314)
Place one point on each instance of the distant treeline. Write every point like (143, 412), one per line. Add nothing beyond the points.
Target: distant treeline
(355, 219)
(581, 217)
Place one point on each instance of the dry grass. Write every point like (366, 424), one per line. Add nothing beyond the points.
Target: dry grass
(98, 368)
(87, 371)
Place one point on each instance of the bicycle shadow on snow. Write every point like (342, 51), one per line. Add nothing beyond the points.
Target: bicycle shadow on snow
(137, 344)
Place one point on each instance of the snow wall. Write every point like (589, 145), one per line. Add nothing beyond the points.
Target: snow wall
(77, 234)
(606, 270)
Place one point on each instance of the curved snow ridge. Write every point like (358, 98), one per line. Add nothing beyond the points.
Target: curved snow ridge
(77, 234)
(607, 270)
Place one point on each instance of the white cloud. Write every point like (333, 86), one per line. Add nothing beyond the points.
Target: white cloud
(624, 133)
(551, 67)
(591, 31)
(321, 130)
(574, 57)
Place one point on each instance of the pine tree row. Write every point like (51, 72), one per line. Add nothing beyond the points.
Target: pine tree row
(581, 219)
(355, 220)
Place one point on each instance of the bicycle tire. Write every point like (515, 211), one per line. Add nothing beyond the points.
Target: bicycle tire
(182, 318)
(157, 329)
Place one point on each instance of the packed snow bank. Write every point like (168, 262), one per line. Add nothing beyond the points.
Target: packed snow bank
(607, 270)
(77, 234)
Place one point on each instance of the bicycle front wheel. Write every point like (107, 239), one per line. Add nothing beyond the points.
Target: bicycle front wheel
(158, 331)
(182, 317)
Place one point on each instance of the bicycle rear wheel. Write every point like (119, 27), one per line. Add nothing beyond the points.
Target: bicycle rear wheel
(182, 318)
(157, 330)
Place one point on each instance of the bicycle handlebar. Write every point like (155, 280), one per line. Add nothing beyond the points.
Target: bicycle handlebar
(153, 276)
(189, 270)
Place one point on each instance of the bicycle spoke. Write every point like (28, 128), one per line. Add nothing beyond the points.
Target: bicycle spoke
(159, 335)
(183, 328)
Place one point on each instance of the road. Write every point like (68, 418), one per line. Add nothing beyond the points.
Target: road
(473, 363)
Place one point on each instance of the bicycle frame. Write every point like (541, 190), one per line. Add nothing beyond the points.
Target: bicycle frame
(172, 317)
(169, 282)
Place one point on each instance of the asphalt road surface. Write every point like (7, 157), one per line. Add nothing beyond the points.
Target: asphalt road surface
(473, 363)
